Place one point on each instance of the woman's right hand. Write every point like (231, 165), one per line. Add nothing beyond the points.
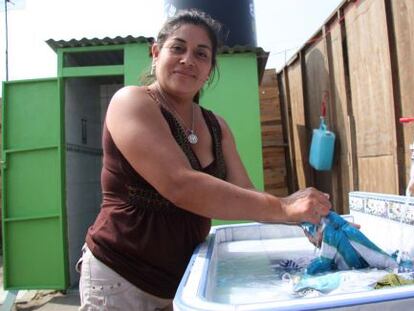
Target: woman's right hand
(308, 204)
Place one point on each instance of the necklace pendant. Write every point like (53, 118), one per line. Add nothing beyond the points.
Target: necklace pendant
(192, 138)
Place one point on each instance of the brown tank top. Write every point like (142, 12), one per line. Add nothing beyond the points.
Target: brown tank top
(140, 234)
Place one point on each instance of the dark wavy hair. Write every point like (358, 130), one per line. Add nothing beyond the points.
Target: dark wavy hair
(197, 18)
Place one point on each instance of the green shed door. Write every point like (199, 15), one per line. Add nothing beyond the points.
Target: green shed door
(34, 231)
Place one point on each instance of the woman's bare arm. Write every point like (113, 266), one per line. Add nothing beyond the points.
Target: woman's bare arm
(144, 138)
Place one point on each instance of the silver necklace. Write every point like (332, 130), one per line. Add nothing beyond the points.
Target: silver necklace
(191, 135)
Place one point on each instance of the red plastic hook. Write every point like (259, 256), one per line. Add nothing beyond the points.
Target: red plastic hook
(406, 120)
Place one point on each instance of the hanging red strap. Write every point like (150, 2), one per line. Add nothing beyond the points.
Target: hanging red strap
(325, 98)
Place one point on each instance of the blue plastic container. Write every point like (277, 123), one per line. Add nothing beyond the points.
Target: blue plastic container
(322, 148)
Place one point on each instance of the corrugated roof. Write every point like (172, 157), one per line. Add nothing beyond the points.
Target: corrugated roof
(84, 42)
(262, 56)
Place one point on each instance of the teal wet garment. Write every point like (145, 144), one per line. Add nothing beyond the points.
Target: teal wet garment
(322, 283)
(344, 247)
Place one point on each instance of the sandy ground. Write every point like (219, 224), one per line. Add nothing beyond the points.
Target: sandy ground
(42, 300)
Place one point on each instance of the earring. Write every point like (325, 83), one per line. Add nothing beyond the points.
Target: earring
(152, 69)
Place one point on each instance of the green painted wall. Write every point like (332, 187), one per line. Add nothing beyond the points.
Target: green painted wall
(137, 60)
(234, 95)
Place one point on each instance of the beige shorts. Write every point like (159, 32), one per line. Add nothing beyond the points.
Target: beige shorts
(103, 289)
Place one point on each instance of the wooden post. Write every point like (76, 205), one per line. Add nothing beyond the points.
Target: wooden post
(396, 93)
(288, 132)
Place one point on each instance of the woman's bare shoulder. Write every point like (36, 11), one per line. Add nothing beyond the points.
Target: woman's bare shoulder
(131, 99)
(132, 93)
(131, 103)
(225, 129)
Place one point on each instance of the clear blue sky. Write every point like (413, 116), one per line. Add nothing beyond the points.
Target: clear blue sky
(280, 24)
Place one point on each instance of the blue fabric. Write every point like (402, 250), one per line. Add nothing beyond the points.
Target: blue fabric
(322, 283)
(405, 262)
(344, 247)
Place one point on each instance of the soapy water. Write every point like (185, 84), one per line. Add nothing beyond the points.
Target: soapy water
(260, 273)
(250, 280)
(254, 271)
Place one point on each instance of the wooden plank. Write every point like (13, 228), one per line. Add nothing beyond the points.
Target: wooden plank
(272, 151)
(269, 79)
(268, 92)
(268, 110)
(399, 138)
(317, 78)
(274, 162)
(337, 191)
(370, 65)
(273, 157)
(276, 177)
(345, 137)
(403, 26)
(370, 77)
(285, 108)
(298, 123)
(317, 82)
(377, 174)
(273, 129)
(371, 84)
(280, 192)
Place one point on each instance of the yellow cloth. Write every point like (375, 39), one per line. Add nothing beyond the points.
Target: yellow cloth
(392, 280)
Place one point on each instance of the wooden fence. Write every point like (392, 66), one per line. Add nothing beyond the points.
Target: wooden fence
(362, 59)
(273, 142)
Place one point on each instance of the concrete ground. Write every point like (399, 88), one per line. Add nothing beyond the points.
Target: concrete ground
(42, 300)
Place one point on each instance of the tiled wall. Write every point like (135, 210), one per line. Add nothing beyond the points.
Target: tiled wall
(388, 220)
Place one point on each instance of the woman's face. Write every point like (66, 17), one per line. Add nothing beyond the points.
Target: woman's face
(184, 62)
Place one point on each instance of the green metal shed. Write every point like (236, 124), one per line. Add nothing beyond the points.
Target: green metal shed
(52, 147)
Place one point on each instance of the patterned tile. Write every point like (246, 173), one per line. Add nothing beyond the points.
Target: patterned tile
(357, 203)
(376, 207)
(396, 211)
(393, 207)
(409, 217)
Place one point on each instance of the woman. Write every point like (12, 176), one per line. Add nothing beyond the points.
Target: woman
(169, 167)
